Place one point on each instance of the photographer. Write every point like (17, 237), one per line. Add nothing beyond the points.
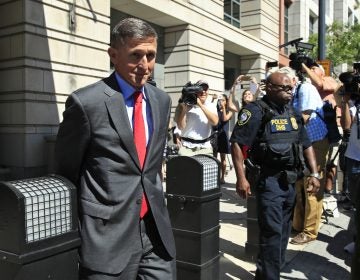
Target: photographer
(327, 86)
(350, 106)
(308, 208)
(350, 121)
(195, 116)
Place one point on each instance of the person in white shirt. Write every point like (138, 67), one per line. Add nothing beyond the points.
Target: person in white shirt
(196, 123)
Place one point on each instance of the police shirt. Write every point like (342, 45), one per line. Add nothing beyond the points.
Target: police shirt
(250, 119)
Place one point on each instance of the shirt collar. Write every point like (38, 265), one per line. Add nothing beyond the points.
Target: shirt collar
(279, 108)
(127, 90)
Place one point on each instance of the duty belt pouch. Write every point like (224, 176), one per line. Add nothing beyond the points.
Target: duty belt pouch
(287, 177)
(278, 155)
(291, 176)
(252, 174)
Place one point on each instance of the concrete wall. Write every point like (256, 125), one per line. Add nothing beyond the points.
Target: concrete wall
(42, 60)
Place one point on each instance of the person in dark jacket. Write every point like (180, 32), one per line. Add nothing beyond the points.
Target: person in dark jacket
(110, 145)
(269, 137)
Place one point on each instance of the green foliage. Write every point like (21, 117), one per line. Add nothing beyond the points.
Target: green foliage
(342, 43)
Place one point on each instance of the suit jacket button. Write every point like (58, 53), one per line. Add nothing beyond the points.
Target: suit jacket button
(138, 201)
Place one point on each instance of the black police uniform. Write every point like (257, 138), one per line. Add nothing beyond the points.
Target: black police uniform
(274, 144)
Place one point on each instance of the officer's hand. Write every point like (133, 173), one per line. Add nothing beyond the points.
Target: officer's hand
(313, 185)
(243, 188)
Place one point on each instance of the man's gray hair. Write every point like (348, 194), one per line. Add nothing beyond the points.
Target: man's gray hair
(288, 71)
(131, 28)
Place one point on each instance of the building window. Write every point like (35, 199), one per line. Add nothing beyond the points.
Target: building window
(350, 17)
(286, 28)
(229, 77)
(232, 12)
(312, 21)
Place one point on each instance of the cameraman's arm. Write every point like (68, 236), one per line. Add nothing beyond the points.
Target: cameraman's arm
(320, 81)
(211, 116)
(315, 79)
(180, 115)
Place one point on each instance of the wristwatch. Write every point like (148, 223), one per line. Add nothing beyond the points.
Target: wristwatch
(316, 175)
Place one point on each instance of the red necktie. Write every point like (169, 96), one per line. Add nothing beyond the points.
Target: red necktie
(140, 140)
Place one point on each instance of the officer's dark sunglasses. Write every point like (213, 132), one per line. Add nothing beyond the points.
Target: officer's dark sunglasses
(281, 87)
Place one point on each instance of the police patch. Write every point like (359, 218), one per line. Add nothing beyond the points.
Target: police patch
(294, 123)
(244, 117)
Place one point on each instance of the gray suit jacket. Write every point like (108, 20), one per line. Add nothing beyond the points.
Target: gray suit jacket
(96, 151)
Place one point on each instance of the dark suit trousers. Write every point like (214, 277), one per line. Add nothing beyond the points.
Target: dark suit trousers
(150, 262)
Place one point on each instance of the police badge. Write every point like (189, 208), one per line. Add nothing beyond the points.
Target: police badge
(244, 117)
(294, 123)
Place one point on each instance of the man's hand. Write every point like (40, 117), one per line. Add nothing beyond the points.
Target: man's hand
(313, 185)
(243, 188)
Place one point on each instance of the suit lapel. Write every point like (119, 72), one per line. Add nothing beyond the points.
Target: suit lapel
(118, 114)
(154, 105)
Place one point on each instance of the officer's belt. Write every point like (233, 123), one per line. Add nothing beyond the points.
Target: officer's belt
(196, 141)
(272, 172)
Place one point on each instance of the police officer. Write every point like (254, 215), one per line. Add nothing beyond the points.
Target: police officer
(270, 135)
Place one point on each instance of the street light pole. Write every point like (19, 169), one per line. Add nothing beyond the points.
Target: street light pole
(321, 31)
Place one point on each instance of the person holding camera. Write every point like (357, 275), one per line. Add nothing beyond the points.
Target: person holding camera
(308, 207)
(196, 116)
(268, 139)
(350, 121)
(328, 88)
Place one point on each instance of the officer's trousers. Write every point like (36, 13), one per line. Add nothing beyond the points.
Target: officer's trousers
(275, 204)
(309, 207)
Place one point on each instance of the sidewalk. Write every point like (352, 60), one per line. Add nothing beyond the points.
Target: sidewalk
(324, 258)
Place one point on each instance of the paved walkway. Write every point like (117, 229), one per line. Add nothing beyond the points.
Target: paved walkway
(324, 258)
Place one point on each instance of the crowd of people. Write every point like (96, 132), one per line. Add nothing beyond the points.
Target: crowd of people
(111, 143)
(287, 135)
(279, 185)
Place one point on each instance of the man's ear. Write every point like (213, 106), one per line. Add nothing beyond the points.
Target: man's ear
(113, 54)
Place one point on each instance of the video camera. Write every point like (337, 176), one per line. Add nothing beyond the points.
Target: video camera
(300, 56)
(188, 93)
(351, 80)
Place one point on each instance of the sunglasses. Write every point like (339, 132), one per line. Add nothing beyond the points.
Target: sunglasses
(281, 87)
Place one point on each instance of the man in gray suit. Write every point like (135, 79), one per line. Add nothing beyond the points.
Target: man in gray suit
(96, 150)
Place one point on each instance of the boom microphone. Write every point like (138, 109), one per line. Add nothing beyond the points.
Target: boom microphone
(292, 42)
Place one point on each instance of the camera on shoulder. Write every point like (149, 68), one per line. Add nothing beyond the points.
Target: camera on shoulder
(188, 93)
(300, 56)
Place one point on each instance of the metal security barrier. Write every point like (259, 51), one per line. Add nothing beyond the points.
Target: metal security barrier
(193, 192)
(38, 229)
